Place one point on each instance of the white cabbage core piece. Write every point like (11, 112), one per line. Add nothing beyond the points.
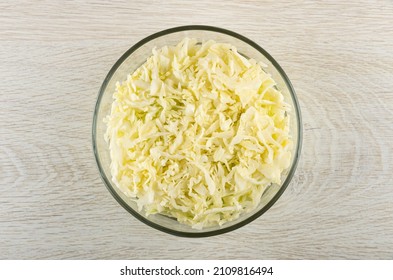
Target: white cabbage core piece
(197, 133)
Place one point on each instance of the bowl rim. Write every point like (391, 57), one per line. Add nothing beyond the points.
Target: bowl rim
(296, 155)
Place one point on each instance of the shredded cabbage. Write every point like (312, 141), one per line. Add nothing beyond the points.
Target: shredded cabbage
(198, 133)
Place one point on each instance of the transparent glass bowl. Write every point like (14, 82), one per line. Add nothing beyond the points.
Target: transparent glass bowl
(135, 57)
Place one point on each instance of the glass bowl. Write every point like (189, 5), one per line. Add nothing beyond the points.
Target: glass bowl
(135, 57)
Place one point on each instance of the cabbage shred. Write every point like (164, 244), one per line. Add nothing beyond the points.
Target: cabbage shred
(198, 133)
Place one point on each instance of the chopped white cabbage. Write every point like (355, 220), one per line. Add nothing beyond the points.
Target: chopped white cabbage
(197, 133)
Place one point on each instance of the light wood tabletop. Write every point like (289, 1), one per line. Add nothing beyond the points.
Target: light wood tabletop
(54, 56)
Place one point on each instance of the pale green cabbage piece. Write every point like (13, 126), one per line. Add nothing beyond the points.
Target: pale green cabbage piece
(198, 133)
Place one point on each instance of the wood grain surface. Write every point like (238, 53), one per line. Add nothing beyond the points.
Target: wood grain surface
(54, 56)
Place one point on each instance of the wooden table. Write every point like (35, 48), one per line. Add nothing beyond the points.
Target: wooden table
(54, 56)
